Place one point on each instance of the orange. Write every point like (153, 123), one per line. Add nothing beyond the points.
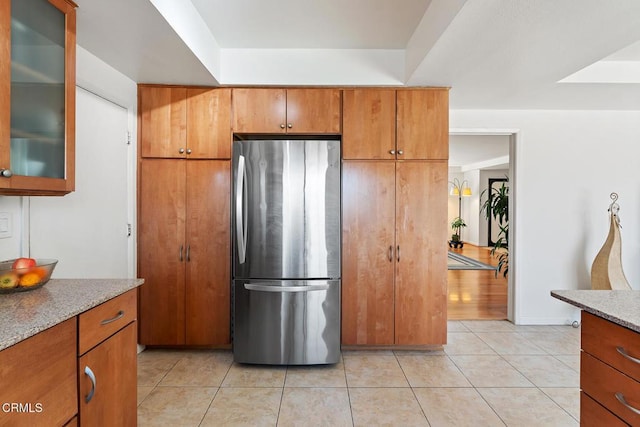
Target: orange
(32, 278)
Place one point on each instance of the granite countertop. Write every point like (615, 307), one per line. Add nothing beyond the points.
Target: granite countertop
(24, 314)
(621, 307)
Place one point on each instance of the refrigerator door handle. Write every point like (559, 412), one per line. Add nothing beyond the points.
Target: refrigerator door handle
(241, 236)
(281, 289)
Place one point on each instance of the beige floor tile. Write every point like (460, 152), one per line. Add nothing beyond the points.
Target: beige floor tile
(534, 328)
(175, 406)
(316, 376)
(315, 407)
(431, 371)
(545, 371)
(143, 392)
(572, 361)
(556, 343)
(567, 398)
(526, 407)
(385, 406)
(255, 376)
(153, 365)
(509, 343)
(372, 370)
(244, 407)
(199, 368)
(456, 407)
(490, 371)
(466, 343)
(456, 326)
(489, 325)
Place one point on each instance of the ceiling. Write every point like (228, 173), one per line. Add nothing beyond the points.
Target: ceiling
(494, 54)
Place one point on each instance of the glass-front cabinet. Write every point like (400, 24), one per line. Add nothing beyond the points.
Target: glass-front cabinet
(37, 90)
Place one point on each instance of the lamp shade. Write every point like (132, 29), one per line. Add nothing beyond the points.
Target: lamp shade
(466, 192)
(455, 191)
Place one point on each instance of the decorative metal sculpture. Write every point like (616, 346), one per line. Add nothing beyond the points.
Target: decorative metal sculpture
(606, 271)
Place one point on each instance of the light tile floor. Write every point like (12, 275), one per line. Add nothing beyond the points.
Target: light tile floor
(491, 373)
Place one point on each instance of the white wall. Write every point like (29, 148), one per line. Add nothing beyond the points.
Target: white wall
(567, 164)
(98, 77)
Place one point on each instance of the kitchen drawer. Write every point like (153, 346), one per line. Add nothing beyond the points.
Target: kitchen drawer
(592, 414)
(606, 340)
(39, 374)
(101, 322)
(601, 382)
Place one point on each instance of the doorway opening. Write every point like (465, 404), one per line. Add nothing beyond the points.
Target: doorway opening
(480, 158)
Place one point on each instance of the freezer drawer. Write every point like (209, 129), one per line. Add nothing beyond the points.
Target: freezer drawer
(289, 322)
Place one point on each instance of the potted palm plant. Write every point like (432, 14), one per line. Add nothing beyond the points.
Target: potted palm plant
(456, 225)
(496, 206)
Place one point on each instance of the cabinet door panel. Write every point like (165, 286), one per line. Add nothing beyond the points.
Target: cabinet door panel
(367, 259)
(163, 121)
(209, 123)
(423, 124)
(113, 363)
(259, 110)
(369, 124)
(421, 268)
(208, 282)
(313, 111)
(161, 236)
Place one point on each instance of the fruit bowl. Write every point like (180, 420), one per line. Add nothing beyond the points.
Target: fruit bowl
(25, 274)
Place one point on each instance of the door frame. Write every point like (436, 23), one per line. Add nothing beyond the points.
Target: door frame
(514, 141)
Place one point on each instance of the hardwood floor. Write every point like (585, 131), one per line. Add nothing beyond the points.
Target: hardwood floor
(476, 294)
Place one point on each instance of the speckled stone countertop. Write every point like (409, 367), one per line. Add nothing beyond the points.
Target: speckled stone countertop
(621, 307)
(24, 314)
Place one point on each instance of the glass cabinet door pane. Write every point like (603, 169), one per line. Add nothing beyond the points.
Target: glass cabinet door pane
(37, 89)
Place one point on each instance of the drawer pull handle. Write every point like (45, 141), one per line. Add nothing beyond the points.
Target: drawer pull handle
(113, 319)
(88, 372)
(623, 352)
(622, 400)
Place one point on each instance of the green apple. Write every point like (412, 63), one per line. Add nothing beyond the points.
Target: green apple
(9, 280)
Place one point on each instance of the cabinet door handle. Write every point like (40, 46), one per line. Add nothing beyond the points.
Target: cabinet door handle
(622, 400)
(181, 249)
(624, 353)
(188, 252)
(88, 372)
(181, 151)
(393, 152)
(390, 253)
(188, 150)
(400, 152)
(398, 252)
(282, 126)
(6, 173)
(113, 319)
(289, 125)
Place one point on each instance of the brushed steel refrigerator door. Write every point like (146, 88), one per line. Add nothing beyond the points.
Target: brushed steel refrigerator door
(287, 322)
(286, 208)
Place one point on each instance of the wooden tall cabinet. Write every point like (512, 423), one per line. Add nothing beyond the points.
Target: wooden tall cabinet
(395, 150)
(292, 111)
(37, 97)
(184, 251)
(394, 259)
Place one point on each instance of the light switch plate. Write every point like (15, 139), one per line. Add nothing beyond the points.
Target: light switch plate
(6, 227)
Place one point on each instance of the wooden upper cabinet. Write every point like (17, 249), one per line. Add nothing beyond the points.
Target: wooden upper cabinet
(37, 97)
(369, 124)
(300, 111)
(208, 123)
(423, 124)
(421, 269)
(313, 111)
(181, 122)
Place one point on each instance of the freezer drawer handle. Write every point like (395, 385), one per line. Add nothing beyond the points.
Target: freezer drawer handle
(241, 236)
(269, 288)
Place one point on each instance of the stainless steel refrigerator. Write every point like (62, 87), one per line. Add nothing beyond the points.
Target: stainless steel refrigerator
(286, 261)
